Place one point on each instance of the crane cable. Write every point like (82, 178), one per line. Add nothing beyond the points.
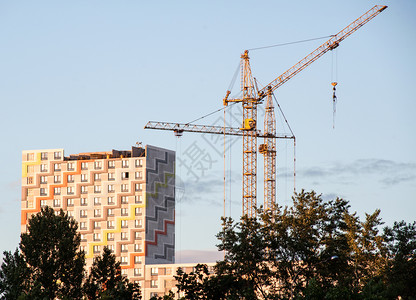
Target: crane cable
(291, 43)
(294, 142)
(334, 79)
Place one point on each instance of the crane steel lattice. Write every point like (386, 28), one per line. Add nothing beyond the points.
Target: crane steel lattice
(250, 99)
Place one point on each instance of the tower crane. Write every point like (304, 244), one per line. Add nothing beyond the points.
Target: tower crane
(251, 98)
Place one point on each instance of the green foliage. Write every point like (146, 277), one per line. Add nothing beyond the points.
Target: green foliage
(312, 250)
(12, 275)
(51, 266)
(51, 250)
(400, 272)
(106, 282)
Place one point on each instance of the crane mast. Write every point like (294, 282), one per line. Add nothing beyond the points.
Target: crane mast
(249, 101)
(251, 98)
(268, 149)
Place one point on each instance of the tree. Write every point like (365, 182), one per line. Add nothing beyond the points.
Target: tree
(50, 249)
(13, 273)
(400, 273)
(312, 250)
(105, 280)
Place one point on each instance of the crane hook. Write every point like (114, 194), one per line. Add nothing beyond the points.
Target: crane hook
(334, 102)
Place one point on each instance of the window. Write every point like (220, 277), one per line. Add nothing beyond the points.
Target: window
(70, 190)
(124, 272)
(154, 271)
(110, 212)
(57, 191)
(154, 284)
(138, 248)
(57, 167)
(124, 199)
(139, 163)
(124, 211)
(111, 247)
(97, 165)
(111, 164)
(125, 163)
(124, 236)
(70, 166)
(137, 260)
(43, 179)
(138, 175)
(30, 169)
(111, 188)
(124, 187)
(138, 223)
(97, 236)
(137, 235)
(97, 176)
(70, 202)
(42, 191)
(44, 168)
(97, 188)
(29, 180)
(44, 155)
(97, 212)
(124, 248)
(138, 186)
(84, 166)
(110, 224)
(70, 214)
(84, 201)
(138, 199)
(124, 224)
(84, 189)
(97, 225)
(110, 200)
(125, 175)
(97, 200)
(70, 178)
(84, 177)
(57, 155)
(137, 271)
(57, 178)
(83, 248)
(96, 249)
(56, 202)
(83, 237)
(110, 236)
(83, 225)
(43, 203)
(56, 212)
(111, 176)
(124, 260)
(30, 156)
(83, 213)
(138, 211)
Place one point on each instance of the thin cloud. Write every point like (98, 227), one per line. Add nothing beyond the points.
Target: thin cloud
(388, 172)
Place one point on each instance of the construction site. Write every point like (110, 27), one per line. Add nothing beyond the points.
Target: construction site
(198, 152)
(126, 200)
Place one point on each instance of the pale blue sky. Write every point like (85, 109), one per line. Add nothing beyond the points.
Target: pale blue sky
(68, 65)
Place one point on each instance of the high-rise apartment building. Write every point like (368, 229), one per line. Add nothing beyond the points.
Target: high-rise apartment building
(124, 200)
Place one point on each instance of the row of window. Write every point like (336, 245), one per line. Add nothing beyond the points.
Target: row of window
(97, 201)
(123, 236)
(70, 190)
(84, 177)
(44, 156)
(84, 165)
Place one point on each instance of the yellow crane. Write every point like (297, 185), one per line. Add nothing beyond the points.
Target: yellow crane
(250, 99)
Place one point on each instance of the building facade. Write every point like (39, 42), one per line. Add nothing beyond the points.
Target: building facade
(123, 200)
